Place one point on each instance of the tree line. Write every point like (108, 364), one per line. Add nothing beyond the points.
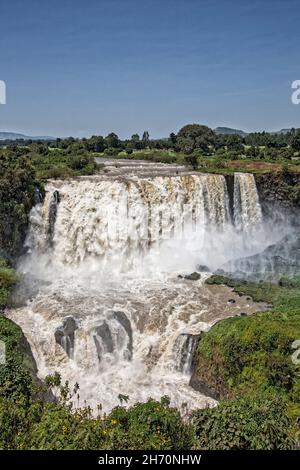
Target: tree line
(190, 138)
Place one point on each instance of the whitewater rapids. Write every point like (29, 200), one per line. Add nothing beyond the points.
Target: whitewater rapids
(105, 305)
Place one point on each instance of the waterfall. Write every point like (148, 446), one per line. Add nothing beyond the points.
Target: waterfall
(118, 220)
(55, 198)
(109, 308)
(246, 206)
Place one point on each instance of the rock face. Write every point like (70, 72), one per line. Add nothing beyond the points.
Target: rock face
(280, 259)
(114, 336)
(106, 344)
(123, 320)
(279, 192)
(52, 215)
(65, 335)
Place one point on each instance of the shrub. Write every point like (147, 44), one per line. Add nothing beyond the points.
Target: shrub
(150, 425)
(253, 424)
(111, 151)
(8, 279)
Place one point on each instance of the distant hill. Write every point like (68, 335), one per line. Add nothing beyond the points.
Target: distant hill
(229, 130)
(16, 136)
(282, 131)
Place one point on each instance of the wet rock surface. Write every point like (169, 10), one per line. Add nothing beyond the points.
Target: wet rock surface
(125, 322)
(65, 335)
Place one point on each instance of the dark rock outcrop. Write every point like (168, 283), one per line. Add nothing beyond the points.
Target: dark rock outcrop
(55, 199)
(107, 342)
(103, 340)
(65, 335)
(197, 384)
(124, 321)
(279, 195)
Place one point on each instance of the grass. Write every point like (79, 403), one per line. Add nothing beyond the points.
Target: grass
(213, 163)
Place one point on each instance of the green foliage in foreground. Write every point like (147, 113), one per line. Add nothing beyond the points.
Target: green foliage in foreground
(247, 356)
(8, 279)
(267, 420)
(249, 424)
(17, 373)
(154, 425)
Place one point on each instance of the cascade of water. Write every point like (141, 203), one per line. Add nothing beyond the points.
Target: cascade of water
(246, 206)
(184, 349)
(99, 318)
(118, 219)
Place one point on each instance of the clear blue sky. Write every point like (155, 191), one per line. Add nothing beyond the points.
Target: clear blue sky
(89, 67)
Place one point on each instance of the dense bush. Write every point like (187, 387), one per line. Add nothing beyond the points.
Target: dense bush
(17, 184)
(245, 424)
(62, 164)
(8, 279)
(17, 374)
(111, 151)
(244, 356)
(150, 425)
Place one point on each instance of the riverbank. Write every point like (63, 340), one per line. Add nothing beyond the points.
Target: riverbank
(254, 356)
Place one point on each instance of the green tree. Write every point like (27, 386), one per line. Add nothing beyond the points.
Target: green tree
(146, 137)
(295, 143)
(195, 137)
(17, 185)
(112, 140)
(135, 138)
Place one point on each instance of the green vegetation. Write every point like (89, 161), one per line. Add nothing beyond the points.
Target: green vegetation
(150, 425)
(194, 137)
(23, 169)
(246, 361)
(17, 185)
(264, 417)
(194, 145)
(249, 424)
(248, 357)
(241, 424)
(8, 279)
(17, 375)
(61, 164)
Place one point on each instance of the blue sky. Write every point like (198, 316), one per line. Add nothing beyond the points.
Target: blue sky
(90, 67)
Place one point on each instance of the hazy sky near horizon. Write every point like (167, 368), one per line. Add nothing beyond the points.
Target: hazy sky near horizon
(91, 67)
